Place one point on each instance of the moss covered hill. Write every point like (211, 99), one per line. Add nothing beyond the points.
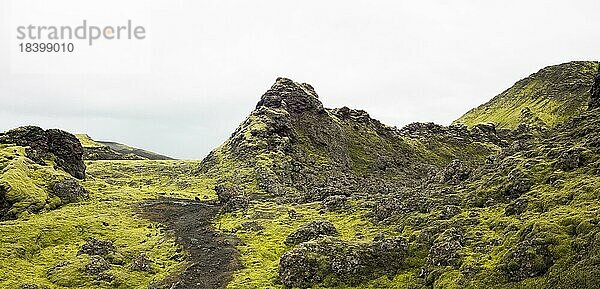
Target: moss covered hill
(294, 149)
(332, 198)
(546, 98)
(104, 150)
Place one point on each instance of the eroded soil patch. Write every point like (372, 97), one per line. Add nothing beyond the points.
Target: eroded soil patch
(212, 254)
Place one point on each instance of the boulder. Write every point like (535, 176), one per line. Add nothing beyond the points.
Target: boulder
(516, 207)
(231, 198)
(455, 172)
(570, 159)
(141, 263)
(446, 248)
(530, 258)
(342, 262)
(336, 203)
(98, 247)
(252, 226)
(449, 211)
(518, 183)
(310, 231)
(69, 191)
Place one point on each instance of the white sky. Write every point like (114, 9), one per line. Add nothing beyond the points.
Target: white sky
(204, 64)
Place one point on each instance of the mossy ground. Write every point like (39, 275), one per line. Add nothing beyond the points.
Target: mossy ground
(41, 248)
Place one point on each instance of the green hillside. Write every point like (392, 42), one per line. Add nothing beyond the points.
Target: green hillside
(546, 98)
(104, 150)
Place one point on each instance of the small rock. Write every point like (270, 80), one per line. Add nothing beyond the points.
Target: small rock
(98, 247)
(141, 263)
(252, 226)
(336, 203)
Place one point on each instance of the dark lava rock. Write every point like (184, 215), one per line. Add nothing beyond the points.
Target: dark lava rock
(95, 246)
(518, 183)
(570, 159)
(252, 226)
(516, 207)
(141, 263)
(595, 98)
(97, 265)
(386, 252)
(68, 150)
(300, 268)
(455, 172)
(446, 249)
(349, 263)
(531, 258)
(231, 198)
(291, 96)
(69, 191)
(310, 231)
(336, 203)
(387, 208)
(44, 144)
(449, 211)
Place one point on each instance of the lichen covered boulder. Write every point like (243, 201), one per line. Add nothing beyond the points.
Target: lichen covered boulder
(341, 262)
(69, 190)
(310, 231)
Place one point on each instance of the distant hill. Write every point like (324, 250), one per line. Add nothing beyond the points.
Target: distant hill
(548, 97)
(105, 150)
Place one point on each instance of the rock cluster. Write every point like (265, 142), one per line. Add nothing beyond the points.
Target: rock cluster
(95, 246)
(310, 231)
(446, 249)
(231, 198)
(101, 255)
(141, 263)
(336, 203)
(530, 258)
(346, 262)
(455, 172)
(49, 144)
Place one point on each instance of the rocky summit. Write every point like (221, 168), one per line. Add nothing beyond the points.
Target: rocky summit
(304, 196)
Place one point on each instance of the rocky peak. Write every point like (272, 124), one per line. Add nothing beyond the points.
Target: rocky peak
(291, 96)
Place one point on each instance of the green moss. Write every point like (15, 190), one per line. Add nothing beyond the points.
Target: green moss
(87, 142)
(554, 95)
(261, 250)
(26, 184)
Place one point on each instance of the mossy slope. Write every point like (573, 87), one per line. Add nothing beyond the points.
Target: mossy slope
(549, 97)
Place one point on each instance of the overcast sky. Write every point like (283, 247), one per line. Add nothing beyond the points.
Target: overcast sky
(204, 64)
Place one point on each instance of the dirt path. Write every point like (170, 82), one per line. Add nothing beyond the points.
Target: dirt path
(212, 255)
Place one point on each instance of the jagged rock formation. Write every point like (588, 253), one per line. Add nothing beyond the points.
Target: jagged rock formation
(504, 198)
(292, 148)
(45, 145)
(36, 171)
